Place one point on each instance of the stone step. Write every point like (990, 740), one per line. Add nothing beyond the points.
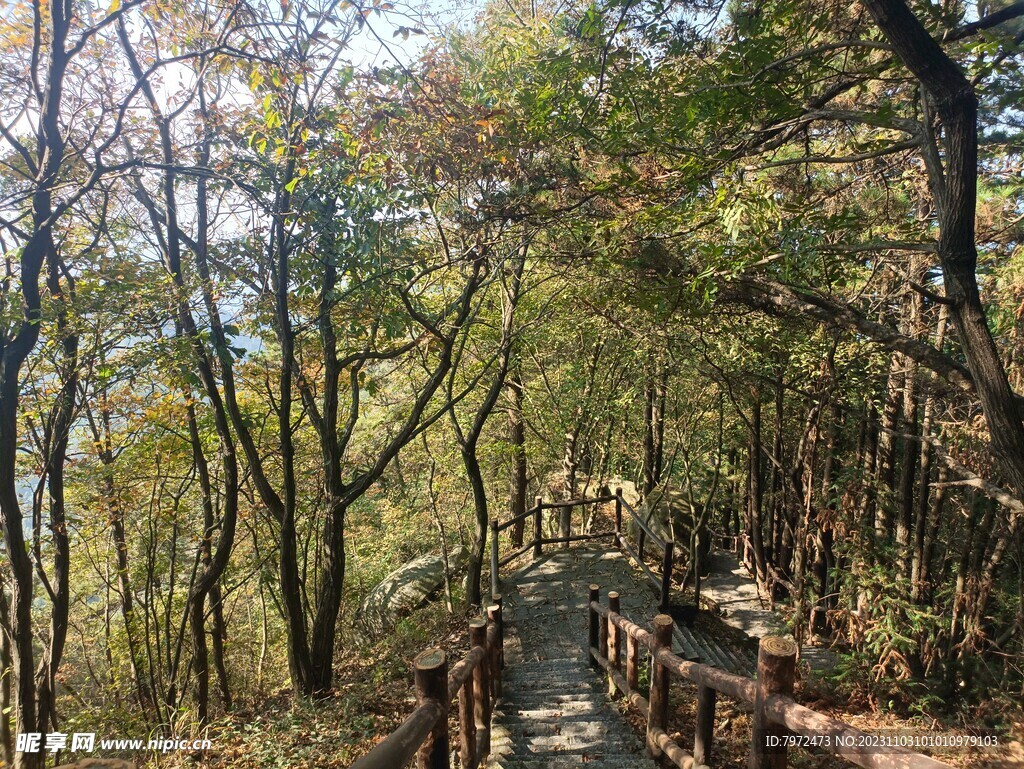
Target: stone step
(556, 712)
(538, 685)
(552, 702)
(597, 741)
(512, 721)
(521, 680)
(597, 734)
(549, 600)
(556, 701)
(555, 663)
(585, 760)
(552, 711)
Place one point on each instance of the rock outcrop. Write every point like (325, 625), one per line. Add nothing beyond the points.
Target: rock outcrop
(403, 591)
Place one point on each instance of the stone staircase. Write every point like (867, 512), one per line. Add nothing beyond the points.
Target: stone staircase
(556, 713)
(555, 710)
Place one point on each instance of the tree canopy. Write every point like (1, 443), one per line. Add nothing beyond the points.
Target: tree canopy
(278, 315)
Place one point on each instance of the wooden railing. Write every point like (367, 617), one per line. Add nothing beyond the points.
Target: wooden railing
(565, 535)
(475, 681)
(662, 582)
(776, 715)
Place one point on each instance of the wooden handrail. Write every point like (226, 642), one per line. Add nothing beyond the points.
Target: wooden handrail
(775, 713)
(502, 525)
(399, 747)
(475, 681)
(737, 687)
(644, 526)
(463, 671)
(577, 502)
(663, 583)
(539, 540)
(804, 721)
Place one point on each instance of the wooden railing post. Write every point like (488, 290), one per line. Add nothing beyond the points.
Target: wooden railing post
(467, 724)
(614, 646)
(776, 669)
(481, 687)
(498, 601)
(593, 632)
(564, 524)
(657, 716)
(618, 516)
(666, 576)
(430, 671)
(602, 632)
(632, 664)
(494, 651)
(705, 730)
(538, 533)
(494, 555)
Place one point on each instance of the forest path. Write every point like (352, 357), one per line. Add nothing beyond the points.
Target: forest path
(555, 710)
(730, 587)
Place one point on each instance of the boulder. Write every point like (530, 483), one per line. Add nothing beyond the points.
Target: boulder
(668, 514)
(608, 485)
(403, 591)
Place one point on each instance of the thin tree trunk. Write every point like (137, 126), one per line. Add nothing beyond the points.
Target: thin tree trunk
(517, 437)
(755, 526)
(919, 567)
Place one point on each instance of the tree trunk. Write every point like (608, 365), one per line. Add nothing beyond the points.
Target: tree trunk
(955, 188)
(885, 468)
(755, 528)
(517, 437)
(919, 568)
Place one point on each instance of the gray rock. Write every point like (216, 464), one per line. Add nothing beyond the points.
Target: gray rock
(668, 514)
(403, 591)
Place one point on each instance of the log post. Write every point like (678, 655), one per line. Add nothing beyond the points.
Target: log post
(494, 555)
(430, 671)
(614, 646)
(776, 669)
(498, 601)
(481, 686)
(705, 731)
(602, 632)
(467, 724)
(666, 576)
(494, 652)
(657, 716)
(538, 533)
(565, 525)
(632, 664)
(618, 517)
(593, 635)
